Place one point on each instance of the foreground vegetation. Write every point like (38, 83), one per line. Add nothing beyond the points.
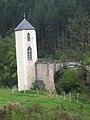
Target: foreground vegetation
(43, 106)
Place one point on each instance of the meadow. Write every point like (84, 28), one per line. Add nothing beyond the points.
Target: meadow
(31, 105)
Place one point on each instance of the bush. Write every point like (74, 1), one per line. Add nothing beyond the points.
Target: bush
(39, 84)
(70, 79)
(15, 111)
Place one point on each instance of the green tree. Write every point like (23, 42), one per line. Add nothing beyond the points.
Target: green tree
(8, 76)
(69, 79)
(79, 34)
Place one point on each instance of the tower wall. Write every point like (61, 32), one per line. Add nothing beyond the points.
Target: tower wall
(25, 67)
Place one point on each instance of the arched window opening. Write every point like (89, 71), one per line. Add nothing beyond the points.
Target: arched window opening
(28, 37)
(29, 53)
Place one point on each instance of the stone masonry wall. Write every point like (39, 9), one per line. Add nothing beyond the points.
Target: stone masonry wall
(45, 71)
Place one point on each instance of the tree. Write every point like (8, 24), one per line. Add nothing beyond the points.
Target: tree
(70, 79)
(79, 34)
(8, 76)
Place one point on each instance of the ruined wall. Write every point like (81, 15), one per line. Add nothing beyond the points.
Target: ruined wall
(45, 71)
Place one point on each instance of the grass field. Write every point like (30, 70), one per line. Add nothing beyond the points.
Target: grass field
(48, 102)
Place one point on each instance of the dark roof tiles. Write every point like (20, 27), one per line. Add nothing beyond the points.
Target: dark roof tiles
(24, 25)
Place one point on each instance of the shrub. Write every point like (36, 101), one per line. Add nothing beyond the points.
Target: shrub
(39, 84)
(70, 79)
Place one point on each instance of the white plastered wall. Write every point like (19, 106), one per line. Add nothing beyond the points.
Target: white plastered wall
(25, 67)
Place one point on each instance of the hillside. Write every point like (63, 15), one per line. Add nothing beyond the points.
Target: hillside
(63, 33)
(42, 106)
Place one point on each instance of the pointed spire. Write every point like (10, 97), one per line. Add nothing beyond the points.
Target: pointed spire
(24, 15)
(24, 25)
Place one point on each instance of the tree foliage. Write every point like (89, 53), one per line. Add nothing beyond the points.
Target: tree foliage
(8, 76)
(51, 18)
(70, 79)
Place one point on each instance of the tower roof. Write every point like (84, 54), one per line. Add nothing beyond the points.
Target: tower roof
(24, 25)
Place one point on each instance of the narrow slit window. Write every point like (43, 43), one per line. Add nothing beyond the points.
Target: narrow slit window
(28, 37)
(29, 53)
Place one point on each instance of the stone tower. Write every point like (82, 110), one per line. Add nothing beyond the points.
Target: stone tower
(26, 54)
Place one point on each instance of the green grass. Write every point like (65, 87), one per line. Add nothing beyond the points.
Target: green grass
(44, 99)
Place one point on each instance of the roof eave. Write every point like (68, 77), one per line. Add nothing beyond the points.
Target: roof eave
(23, 29)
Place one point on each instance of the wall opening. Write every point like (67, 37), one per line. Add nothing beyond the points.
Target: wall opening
(71, 79)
